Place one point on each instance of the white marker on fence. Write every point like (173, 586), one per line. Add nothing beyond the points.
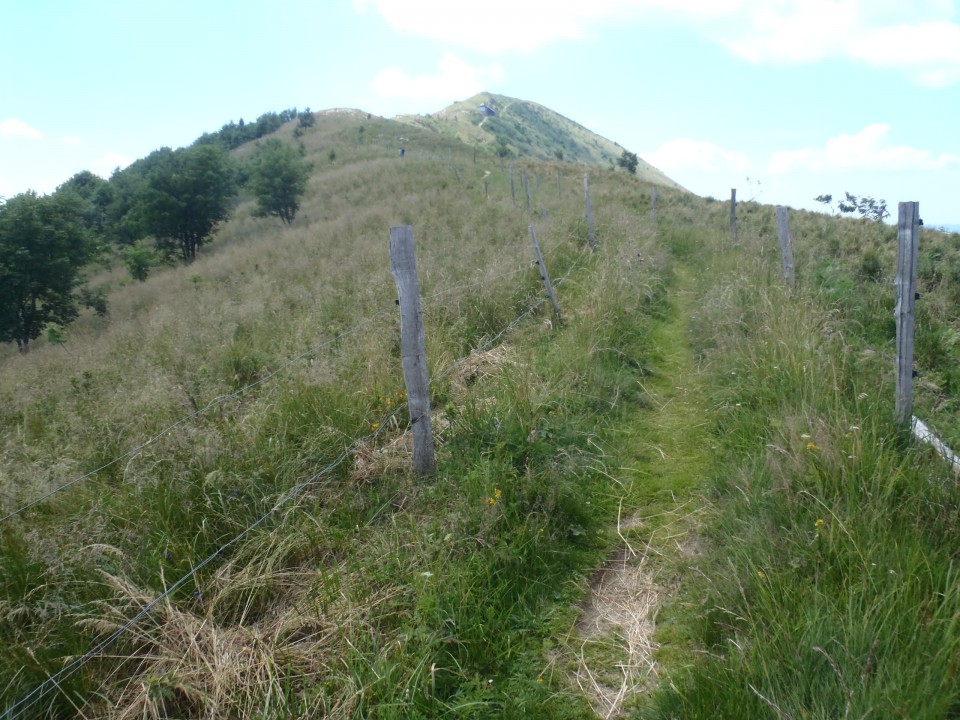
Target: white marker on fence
(403, 267)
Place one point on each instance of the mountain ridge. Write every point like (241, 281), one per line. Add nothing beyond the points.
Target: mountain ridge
(514, 127)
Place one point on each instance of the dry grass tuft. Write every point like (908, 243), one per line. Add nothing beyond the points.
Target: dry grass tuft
(479, 365)
(616, 631)
(184, 662)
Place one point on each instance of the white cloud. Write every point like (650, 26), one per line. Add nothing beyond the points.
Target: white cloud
(71, 140)
(793, 32)
(869, 149)
(17, 128)
(454, 78)
(496, 26)
(921, 37)
(931, 51)
(689, 154)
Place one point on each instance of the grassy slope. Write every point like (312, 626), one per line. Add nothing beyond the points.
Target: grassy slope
(529, 130)
(329, 606)
(823, 583)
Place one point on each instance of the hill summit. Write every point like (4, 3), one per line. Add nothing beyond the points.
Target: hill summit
(523, 128)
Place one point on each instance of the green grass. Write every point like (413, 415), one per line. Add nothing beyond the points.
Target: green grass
(826, 586)
(801, 549)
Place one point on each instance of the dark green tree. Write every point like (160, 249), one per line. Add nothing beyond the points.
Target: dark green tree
(43, 248)
(628, 161)
(186, 193)
(96, 194)
(278, 178)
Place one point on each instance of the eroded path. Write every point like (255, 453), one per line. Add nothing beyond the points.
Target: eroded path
(616, 643)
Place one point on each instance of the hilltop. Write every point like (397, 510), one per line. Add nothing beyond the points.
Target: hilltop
(522, 128)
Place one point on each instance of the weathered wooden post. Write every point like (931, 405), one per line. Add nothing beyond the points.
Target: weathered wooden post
(559, 192)
(543, 272)
(486, 190)
(513, 191)
(586, 192)
(653, 203)
(908, 242)
(403, 267)
(786, 245)
(733, 214)
(526, 186)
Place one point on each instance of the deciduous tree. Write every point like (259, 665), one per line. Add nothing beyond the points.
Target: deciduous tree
(628, 161)
(43, 247)
(186, 194)
(278, 179)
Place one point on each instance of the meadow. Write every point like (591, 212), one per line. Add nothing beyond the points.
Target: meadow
(230, 464)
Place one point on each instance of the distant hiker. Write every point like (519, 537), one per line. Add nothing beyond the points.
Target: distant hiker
(402, 151)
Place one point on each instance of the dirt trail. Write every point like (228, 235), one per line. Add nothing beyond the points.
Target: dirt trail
(615, 635)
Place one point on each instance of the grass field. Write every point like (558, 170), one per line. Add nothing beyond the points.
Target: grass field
(686, 500)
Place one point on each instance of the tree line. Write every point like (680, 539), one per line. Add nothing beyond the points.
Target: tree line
(161, 209)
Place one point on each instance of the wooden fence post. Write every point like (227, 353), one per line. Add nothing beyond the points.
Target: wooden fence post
(653, 204)
(526, 185)
(543, 272)
(559, 192)
(513, 191)
(908, 241)
(786, 245)
(586, 192)
(733, 214)
(403, 267)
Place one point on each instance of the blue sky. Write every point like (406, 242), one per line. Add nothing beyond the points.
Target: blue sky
(782, 99)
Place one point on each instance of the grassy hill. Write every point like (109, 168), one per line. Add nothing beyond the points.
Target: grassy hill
(526, 129)
(687, 499)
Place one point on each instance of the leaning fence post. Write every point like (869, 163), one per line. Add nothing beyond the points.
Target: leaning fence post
(403, 267)
(586, 192)
(733, 214)
(543, 272)
(908, 241)
(786, 245)
(526, 186)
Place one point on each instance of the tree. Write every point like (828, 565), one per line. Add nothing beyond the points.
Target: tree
(867, 207)
(186, 194)
(43, 246)
(628, 161)
(278, 179)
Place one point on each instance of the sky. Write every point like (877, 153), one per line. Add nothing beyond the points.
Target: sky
(784, 100)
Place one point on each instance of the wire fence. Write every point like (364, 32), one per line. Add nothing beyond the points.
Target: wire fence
(53, 682)
(221, 399)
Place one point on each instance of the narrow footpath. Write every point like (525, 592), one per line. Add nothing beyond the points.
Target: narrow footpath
(616, 646)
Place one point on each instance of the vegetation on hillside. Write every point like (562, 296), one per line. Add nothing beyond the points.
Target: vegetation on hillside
(234, 531)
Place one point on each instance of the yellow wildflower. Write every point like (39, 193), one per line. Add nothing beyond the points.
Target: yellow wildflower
(812, 446)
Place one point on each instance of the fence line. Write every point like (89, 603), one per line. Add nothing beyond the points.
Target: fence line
(219, 400)
(24, 704)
